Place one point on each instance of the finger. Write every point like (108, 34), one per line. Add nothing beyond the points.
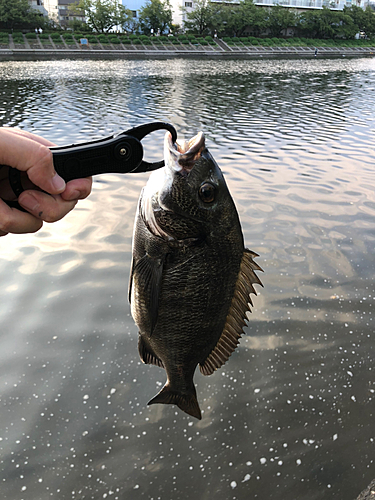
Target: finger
(29, 135)
(25, 154)
(49, 208)
(77, 189)
(15, 221)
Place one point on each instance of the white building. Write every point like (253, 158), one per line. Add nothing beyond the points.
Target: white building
(38, 5)
(57, 10)
(313, 4)
(181, 6)
(179, 9)
(52, 7)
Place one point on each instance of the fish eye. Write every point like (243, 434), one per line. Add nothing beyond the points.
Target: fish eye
(207, 192)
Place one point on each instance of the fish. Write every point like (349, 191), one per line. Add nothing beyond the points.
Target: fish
(191, 275)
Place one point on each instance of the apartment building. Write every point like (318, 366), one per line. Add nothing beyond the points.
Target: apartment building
(57, 10)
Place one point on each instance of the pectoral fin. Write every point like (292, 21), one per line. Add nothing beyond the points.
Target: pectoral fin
(236, 318)
(148, 273)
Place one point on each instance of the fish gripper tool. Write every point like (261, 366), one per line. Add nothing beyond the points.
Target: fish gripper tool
(120, 153)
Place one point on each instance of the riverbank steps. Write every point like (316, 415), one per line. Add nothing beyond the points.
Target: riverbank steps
(22, 47)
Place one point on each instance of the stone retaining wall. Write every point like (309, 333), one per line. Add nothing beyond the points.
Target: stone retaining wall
(15, 54)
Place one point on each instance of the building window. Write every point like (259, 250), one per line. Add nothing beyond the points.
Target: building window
(134, 12)
(188, 4)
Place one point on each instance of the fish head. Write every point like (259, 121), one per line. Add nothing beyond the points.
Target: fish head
(188, 198)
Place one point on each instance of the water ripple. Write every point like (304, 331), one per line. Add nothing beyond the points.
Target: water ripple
(295, 140)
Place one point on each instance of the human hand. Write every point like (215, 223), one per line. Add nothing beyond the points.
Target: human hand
(31, 155)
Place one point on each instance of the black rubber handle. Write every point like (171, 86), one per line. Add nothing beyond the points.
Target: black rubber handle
(120, 154)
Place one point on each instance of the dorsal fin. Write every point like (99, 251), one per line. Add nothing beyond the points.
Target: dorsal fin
(236, 317)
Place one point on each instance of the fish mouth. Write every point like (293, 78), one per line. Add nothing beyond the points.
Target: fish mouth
(181, 156)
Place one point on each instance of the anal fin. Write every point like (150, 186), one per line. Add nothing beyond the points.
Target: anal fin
(147, 355)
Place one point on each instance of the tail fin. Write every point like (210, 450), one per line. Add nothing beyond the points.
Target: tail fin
(186, 402)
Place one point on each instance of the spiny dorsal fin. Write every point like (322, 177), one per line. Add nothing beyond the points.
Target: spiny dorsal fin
(236, 318)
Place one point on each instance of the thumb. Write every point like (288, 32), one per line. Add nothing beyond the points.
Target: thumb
(34, 158)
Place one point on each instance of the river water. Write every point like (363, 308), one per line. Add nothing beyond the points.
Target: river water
(291, 415)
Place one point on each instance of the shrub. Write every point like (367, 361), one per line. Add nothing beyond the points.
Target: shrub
(311, 43)
(126, 41)
(31, 36)
(163, 38)
(17, 38)
(136, 41)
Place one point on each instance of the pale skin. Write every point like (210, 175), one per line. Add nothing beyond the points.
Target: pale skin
(31, 155)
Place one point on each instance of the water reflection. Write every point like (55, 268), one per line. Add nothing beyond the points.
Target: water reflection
(291, 414)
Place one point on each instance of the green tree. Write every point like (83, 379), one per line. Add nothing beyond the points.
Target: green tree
(232, 19)
(369, 25)
(364, 20)
(218, 18)
(247, 15)
(131, 25)
(357, 14)
(155, 15)
(279, 18)
(79, 26)
(326, 23)
(102, 15)
(200, 18)
(18, 13)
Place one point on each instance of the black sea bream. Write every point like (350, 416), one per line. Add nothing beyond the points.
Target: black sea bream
(191, 275)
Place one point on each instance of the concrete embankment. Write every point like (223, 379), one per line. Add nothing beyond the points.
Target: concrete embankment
(254, 53)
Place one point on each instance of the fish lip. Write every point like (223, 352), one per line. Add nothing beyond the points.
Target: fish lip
(183, 156)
